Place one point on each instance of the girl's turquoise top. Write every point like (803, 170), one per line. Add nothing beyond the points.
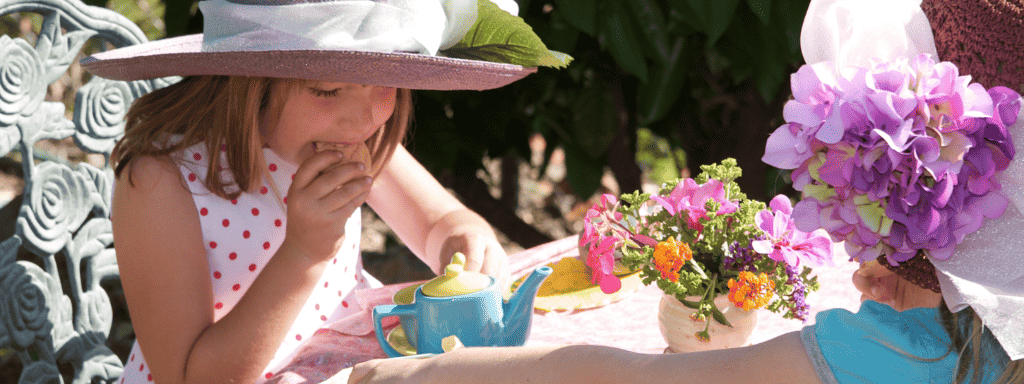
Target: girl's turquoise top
(880, 345)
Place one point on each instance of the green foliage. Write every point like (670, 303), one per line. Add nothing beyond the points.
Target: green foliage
(500, 37)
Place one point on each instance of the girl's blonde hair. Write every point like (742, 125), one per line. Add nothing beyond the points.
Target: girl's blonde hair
(224, 112)
(978, 348)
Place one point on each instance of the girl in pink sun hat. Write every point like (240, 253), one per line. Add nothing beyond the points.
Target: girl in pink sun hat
(238, 188)
(952, 313)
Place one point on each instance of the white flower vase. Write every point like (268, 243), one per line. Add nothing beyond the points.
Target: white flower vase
(680, 330)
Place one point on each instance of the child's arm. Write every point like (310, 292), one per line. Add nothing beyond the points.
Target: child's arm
(167, 279)
(431, 222)
(780, 360)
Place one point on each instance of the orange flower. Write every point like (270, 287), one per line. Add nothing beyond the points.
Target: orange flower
(751, 291)
(669, 256)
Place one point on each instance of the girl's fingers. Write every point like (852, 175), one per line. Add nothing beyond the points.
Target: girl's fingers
(350, 195)
(337, 178)
(314, 166)
(881, 289)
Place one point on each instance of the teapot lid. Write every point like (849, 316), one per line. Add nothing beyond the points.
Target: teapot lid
(456, 280)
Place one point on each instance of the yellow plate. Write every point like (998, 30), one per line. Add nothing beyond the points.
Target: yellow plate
(397, 340)
(569, 288)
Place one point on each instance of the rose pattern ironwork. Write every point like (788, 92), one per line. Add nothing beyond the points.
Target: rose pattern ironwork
(40, 372)
(21, 73)
(24, 297)
(64, 219)
(99, 118)
(57, 202)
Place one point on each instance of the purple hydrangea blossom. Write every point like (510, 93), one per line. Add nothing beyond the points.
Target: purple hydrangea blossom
(895, 158)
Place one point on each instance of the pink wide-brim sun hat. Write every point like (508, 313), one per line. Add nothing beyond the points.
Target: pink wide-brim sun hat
(247, 53)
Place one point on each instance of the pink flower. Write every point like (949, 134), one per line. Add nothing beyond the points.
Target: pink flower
(690, 197)
(601, 260)
(784, 242)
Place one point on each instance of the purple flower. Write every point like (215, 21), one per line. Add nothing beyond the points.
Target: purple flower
(783, 242)
(903, 157)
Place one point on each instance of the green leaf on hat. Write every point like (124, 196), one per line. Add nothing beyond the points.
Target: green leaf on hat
(504, 38)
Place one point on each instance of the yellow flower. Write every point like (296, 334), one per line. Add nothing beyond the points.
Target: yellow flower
(669, 256)
(751, 291)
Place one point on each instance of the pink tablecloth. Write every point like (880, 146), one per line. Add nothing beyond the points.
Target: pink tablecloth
(630, 323)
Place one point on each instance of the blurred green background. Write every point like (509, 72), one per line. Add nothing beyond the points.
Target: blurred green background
(657, 88)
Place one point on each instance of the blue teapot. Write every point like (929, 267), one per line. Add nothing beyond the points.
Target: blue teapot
(465, 304)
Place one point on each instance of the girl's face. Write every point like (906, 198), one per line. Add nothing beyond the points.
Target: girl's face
(303, 113)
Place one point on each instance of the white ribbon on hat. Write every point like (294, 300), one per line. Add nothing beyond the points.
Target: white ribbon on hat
(417, 26)
(987, 270)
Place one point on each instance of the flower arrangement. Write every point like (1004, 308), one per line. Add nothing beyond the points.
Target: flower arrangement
(897, 158)
(699, 238)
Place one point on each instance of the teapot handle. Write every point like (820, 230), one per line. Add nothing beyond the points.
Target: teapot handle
(382, 311)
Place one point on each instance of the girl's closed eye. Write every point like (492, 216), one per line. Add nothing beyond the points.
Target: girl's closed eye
(324, 93)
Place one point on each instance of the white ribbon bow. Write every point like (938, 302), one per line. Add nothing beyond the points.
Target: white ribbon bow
(417, 26)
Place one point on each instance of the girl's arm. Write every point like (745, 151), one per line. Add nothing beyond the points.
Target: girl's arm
(780, 360)
(430, 221)
(167, 282)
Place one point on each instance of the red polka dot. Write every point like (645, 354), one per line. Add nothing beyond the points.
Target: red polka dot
(234, 201)
(213, 244)
(233, 256)
(192, 177)
(245, 234)
(225, 223)
(325, 284)
(141, 367)
(286, 199)
(252, 267)
(323, 317)
(273, 167)
(132, 359)
(293, 176)
(197, 156)
(298, 337)
(263, 190)
(204, 211)
(255, 212)
(219, 305)
(149, 377)
(266, 245)
(343, 303)
(277, 223)
(236, 287)
(317, 307)
(223, 148)
(216, 274)
(268, 375)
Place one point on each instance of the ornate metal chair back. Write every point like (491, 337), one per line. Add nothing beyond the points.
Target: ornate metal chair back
(57, 255)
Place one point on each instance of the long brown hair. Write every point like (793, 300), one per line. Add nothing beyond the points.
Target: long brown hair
(224, 112)
(978, 348)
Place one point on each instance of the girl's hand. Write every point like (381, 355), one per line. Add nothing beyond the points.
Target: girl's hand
(320, 200)
(483, 252)
(878, 283)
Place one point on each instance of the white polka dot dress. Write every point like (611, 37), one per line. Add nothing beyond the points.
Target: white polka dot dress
(240, 237)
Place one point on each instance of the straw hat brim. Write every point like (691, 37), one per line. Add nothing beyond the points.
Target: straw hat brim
(183, 56)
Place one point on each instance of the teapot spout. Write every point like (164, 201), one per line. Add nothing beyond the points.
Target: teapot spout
(518, 311)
